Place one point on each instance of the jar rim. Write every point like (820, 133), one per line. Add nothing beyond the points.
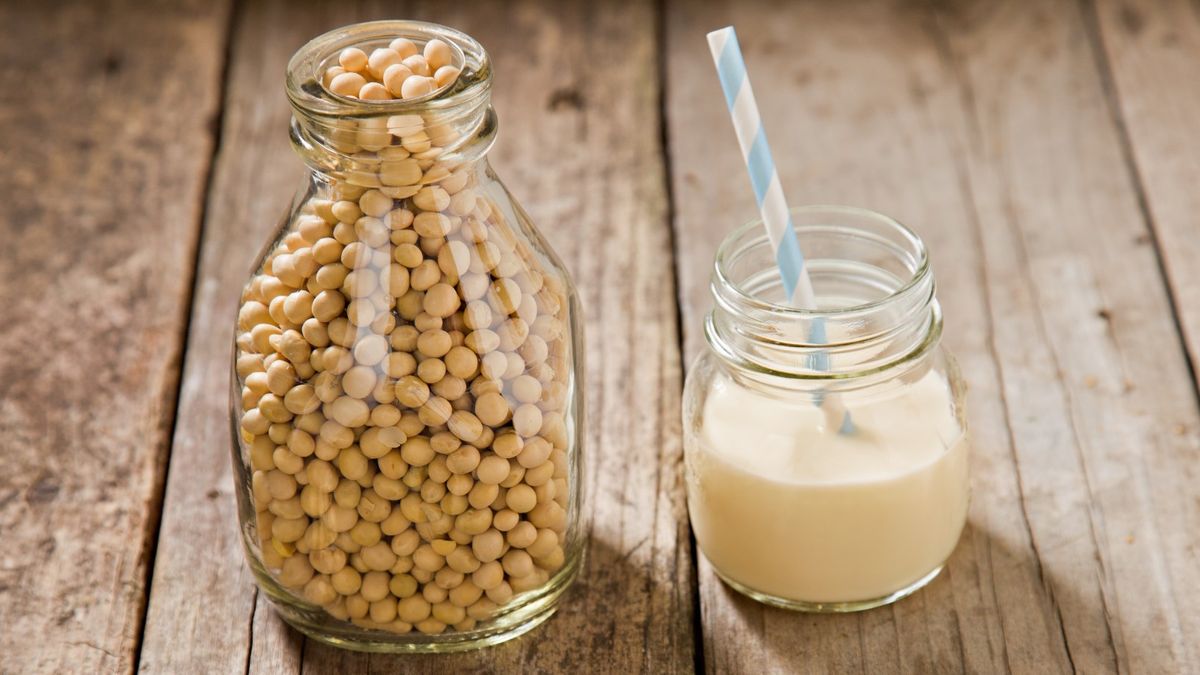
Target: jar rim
(735, 240)
(878, 270)
(308, 95)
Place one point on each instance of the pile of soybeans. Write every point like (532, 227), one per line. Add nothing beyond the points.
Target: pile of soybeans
(404, 362)
(399, 70)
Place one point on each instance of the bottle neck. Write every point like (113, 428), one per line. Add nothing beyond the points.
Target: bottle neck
(878, 315)
(394, 143)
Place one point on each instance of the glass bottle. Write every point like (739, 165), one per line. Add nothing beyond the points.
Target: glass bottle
(788, 509)
(407, 408)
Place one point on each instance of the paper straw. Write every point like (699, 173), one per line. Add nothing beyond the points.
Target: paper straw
(752, 137)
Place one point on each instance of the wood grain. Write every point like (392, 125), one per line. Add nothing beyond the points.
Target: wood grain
(577, 95)
(1109, 486)
(102, 185)
(986, 127)
(203, 594)
(1153, 52)
(1045, 151)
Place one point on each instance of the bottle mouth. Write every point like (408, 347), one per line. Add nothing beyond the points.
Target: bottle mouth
(375, 144)
(874, 288)
(310, 96)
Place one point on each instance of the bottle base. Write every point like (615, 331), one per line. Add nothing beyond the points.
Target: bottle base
(360, 643)
(527, 613)
(831, 607)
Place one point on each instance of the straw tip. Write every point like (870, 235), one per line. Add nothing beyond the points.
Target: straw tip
(717, 37)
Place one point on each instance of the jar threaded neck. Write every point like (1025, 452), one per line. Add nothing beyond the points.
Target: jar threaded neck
(878, 307)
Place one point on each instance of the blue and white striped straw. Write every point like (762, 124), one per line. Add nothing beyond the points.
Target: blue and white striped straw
(752, 137)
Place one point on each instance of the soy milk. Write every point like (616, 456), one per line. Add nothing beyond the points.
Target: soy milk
(785, 508)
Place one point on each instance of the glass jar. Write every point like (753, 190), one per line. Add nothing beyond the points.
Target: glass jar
(788, 509)
(406, 401)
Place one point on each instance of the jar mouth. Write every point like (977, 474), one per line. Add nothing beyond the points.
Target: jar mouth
(309, 96)
(818, 220)
(875, 293)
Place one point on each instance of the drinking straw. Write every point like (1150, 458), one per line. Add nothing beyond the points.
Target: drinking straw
(752, 137)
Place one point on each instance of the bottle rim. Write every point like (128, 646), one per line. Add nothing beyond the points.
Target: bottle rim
(310, 97)
(327, 129)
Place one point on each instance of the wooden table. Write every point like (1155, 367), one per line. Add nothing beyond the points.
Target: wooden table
(1048, 152)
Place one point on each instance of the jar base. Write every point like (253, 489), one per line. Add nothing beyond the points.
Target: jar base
(831, 607)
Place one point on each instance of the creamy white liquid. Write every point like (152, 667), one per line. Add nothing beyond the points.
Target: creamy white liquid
(785, 508)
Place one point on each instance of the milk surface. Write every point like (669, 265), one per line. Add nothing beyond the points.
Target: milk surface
(786, 508)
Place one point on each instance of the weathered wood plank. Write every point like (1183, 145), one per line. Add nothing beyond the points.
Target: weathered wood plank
(102, 189)
(1153, 52)
(985, 126)
(201, 616)
(577, 94)
(1061, 227)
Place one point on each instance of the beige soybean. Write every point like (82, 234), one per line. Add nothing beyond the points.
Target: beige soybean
(445, 76)
(414, 609)
(431, 591)
(372, 507)
(522, 535)
(411, 391)
(373, 91)
(438, 54)
(366, 533)
(375, 586)
(434, 343)
(347, 494)
(394, 77)
(296, 571)
(339, 518)
(508, 445)
(327, 560)
(516, 473)
(460, 484)
(527, 420)
(539, 475)
(419, 84)
(314, 501)
(353, 59)
(441, 300)
(352, 463)
(505, 520)
(435, 412)
(501, 593)
(347, 84)
(521, 498)
(488, 546)
(431, 370)
(289, 530)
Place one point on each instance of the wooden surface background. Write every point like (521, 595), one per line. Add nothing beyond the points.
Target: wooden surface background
(1048, 152)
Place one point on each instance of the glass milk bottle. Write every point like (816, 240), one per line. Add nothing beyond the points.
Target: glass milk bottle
(788, 511)
(406, 402)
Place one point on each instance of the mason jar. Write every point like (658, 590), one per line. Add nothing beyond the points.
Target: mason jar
(407, 408)
(794, 506)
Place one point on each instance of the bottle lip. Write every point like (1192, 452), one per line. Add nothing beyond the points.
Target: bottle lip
(751, 234)
(311, 98)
